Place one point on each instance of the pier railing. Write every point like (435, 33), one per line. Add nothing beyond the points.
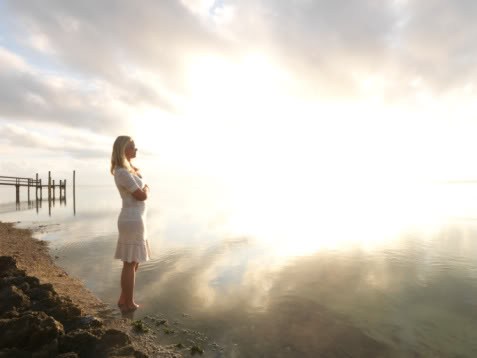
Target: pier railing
(19, 181)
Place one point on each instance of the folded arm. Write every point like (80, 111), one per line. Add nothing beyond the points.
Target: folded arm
(141, 194)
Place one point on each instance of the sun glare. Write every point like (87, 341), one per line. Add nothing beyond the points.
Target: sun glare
(223, 90)
(303, 175)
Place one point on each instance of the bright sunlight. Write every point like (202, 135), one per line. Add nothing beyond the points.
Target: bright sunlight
(311, 176)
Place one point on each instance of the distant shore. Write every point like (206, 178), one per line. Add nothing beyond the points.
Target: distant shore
(32, 256)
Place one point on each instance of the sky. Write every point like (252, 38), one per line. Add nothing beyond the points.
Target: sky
(263, 91)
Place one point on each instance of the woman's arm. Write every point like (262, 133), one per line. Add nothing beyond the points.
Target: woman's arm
(141, 194)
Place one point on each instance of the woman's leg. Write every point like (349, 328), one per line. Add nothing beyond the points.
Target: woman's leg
(128, 276)
(122, 296)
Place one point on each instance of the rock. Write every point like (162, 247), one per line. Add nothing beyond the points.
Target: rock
(138, 354)
(80, 341)
(11, 298)
(10, 314)
(115, 343)
(47, 350)
(64, 311)
(48, 287)
(196, 349)
(14, 353)
(114, 338)
(41, 293)
(67, 355)
(24, 286)
(34, 319)
(19, 280)
(8, 267)
(11, 281)
(86, 322)
(91, 321)
(123, 351)
(29, 331)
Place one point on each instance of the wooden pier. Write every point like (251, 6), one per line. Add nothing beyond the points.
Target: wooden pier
(38, 185)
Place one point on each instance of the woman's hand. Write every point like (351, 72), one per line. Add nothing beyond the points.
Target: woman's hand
(146, 188)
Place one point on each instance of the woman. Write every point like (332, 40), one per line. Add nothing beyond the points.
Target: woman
(132, 246)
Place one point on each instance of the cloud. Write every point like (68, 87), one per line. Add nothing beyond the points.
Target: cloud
(100, 66)
(98, 39)
(76, 144)
(438, 42)
(98, 54)
(331, 48)
(31, 94)
(11, 61)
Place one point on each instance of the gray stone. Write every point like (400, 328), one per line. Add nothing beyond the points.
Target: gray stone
(63, 310)
(121, 352)
(47, 350)
(8, 267)
(34, 318)
(19, 281)
(68, 355)
(14, 353)
(9, 314)
(85, 322)
(80, 341)
(11, 298)
(29, 331)
(114, 337)
(40, 294)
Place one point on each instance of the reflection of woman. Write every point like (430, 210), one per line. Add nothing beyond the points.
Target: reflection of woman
(132, 246)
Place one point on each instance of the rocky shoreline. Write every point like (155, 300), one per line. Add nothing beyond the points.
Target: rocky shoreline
(44, 312)
(36, 322)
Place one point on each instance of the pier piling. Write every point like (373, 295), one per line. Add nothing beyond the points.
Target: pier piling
(37, 184)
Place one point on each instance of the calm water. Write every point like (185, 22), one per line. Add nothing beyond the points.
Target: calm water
(336, 272)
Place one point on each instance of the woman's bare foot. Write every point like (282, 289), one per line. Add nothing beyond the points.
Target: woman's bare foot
(128, 308)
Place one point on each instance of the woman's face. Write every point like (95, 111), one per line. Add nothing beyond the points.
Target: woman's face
(130, 151)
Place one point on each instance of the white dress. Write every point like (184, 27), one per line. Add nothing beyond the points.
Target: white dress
(132, 245)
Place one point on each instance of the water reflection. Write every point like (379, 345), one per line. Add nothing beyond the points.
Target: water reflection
(19, 206)
(36, 205)
(405, 295)
(406, 299)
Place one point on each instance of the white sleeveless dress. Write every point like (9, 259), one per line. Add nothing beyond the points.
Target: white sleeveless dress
(132, 245)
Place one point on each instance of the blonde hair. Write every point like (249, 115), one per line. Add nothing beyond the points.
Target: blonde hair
(118, 157)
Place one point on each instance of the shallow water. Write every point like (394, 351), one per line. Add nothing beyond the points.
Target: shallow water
(332, 273)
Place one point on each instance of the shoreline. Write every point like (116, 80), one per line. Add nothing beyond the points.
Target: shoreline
(33, 257)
